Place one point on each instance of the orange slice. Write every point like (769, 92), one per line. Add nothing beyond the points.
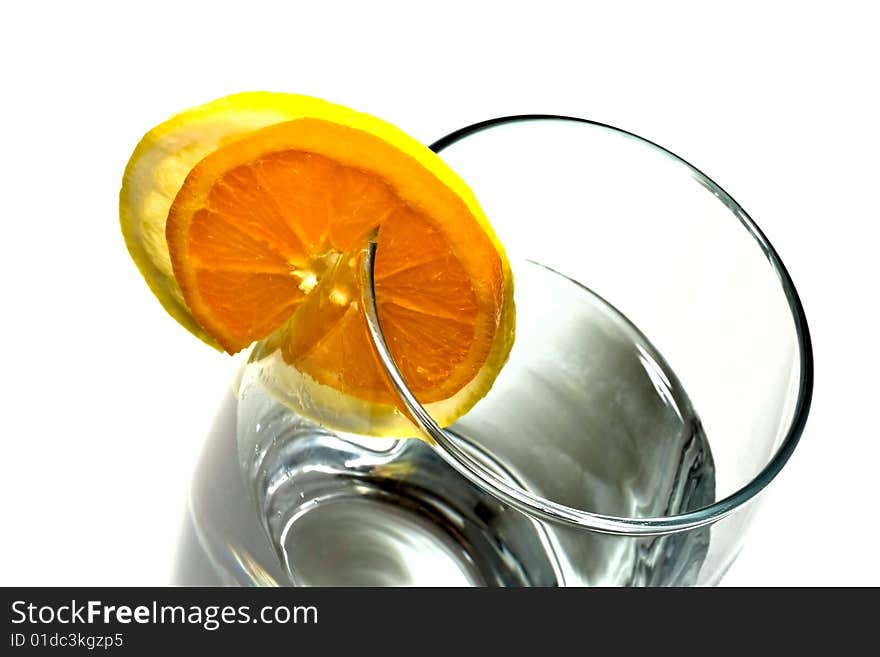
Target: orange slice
(263, 240)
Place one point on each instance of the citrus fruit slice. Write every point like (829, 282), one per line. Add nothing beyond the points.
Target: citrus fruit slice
(264, 222)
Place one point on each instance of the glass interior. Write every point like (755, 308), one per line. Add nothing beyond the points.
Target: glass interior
(657, 330)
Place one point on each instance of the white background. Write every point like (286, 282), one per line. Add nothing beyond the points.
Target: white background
(106, 399)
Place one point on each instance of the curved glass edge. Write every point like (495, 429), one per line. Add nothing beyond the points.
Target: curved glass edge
(658, 525)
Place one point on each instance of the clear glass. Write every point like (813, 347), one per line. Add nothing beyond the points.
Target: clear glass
(660, 378)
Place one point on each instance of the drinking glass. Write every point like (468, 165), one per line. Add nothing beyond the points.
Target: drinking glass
(660, 379)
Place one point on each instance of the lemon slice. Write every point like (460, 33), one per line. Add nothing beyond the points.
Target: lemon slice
(245, 217)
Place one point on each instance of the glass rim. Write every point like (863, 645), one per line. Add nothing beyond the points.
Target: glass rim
(548, 510)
